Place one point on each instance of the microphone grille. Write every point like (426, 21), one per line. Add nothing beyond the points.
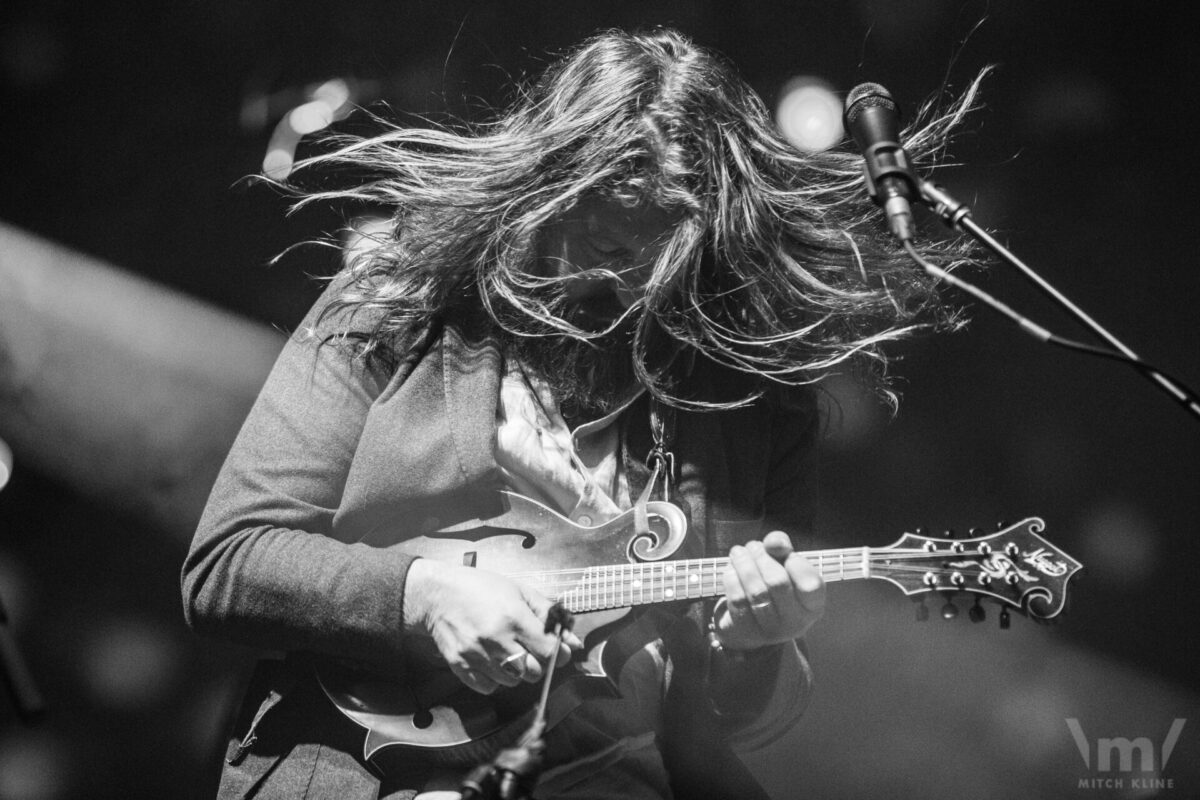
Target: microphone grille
(868, 95)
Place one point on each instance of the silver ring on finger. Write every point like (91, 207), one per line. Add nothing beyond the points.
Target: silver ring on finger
(760, 606)
(514, 665)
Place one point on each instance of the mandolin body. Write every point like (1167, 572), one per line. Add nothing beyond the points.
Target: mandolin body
(428, 710)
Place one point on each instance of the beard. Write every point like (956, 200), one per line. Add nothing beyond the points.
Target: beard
(590, 378)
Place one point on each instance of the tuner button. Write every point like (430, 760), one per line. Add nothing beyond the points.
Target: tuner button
(984, 578)
(985, 548)
(958, 547)
(949, 611)
(1012, 550)
(950, 534)
(929, 579)
(1005, 622)
(921, 530)
(973, 532)
(957, 579)
(977, 614)
(1001, 525)
(1012, 579)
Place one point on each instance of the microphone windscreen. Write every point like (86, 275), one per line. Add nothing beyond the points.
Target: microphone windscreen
(868, 95)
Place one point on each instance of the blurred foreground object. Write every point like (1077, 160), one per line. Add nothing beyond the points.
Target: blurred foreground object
(6, 463)
(123, 389)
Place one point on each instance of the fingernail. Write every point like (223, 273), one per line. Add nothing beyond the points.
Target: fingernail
(809, 583)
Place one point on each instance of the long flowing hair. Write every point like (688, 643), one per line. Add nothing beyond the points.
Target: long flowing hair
(779, 266)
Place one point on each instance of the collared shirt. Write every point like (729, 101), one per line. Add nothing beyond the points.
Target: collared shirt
(577, 472)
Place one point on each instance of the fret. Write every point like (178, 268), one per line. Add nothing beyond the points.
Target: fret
(644, 583)
(914, 563)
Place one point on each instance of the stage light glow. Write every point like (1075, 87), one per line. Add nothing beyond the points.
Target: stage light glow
(310, 117)
(277, 164)
(333, 93)
(329, 102)
(363, 235)
(809, 114)
(6, 463)
(856, 416)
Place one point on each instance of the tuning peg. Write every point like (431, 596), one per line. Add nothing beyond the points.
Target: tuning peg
(949, 611)
(1005, 622)
(922, 609)
(921, 531)
(973, 532)
(950, 533)
(977, 614)
(1001, 525)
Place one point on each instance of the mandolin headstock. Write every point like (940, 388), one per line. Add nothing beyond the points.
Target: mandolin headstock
(1015, 566)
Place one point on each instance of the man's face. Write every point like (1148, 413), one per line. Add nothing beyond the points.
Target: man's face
(603, 234)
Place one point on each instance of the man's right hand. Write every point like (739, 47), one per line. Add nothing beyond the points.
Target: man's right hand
(490, 630)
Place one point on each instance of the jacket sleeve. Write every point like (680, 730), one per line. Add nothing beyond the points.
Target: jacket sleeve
(761, 696)
(264, 569)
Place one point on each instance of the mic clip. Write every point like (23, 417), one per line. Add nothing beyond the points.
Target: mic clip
(888, 160)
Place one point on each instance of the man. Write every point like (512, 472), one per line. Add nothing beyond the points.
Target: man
(629, 263)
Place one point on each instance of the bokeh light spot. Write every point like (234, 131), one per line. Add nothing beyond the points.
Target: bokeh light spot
(809, 114)
(855, 414)
(1121, 543)
(33, 766)
(130, 663)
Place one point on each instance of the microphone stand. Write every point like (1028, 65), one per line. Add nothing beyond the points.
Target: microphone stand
(14, 672)
(16, 675)
(958, 216)
(513, 773)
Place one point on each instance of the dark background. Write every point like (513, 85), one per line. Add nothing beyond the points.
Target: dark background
(124, 135)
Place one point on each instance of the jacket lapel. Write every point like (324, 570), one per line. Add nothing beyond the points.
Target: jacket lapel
(471, 370)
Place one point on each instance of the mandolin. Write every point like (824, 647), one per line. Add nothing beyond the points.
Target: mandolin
(600, 573)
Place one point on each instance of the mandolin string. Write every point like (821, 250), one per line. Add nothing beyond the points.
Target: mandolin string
(622, 585)
(683, 577)
(659, 589)
(852, 555)
(687, 567)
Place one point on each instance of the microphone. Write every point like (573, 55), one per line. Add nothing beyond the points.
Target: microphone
(873, 119)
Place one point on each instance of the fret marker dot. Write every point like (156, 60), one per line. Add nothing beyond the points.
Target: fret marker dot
(693, 578)
(669, 568)
(670, 592)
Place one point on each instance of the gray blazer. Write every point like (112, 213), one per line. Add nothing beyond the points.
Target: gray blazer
(334, 451)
